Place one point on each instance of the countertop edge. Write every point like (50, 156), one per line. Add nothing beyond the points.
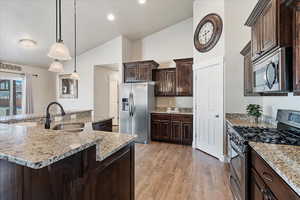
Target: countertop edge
(53, 159)
(101, 158)
(295, 188)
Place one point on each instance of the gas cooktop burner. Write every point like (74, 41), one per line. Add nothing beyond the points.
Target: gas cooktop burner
(269, 135)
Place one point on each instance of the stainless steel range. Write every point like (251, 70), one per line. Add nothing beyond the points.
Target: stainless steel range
(287, 133)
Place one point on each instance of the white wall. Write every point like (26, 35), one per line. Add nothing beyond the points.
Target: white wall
(44, 88)
(170, 43)
(236, 37)
(101, 90)
(108, 53)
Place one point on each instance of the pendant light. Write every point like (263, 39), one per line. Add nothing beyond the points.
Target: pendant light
(56, 67)
(59, 50)
(75, 75)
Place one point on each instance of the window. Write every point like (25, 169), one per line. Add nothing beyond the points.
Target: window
(11, 94)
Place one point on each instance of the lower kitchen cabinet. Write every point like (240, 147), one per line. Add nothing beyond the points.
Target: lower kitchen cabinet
(174, 128)
(265, 183)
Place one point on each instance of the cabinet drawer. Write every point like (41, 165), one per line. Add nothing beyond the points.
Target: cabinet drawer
(279, 188)
(160, 116)
(182, 118)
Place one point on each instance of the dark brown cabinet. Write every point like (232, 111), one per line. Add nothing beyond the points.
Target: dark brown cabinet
(103, 125)
(175, 81)
(165, 82)
(140, 71)
(270, 23)
(184, 77)
(172, 128)
(78, 177)
(296, 36)
(248, 71)
(265, 184)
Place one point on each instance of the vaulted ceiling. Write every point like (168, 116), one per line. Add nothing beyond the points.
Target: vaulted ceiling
(35, 19)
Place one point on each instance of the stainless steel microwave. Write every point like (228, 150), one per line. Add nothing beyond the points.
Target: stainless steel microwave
(273, 72)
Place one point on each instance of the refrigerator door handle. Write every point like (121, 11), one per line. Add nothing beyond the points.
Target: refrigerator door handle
(130, 104)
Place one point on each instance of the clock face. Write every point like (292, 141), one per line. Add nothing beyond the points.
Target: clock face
(206, 33)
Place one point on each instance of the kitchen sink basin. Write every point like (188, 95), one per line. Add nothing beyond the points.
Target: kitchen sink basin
(69, 127)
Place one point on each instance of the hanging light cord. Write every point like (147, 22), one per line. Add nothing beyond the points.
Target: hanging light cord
(75, 36)
(56, 18)
(59, 13)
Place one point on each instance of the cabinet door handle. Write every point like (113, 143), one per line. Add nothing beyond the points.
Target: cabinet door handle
(267, 176)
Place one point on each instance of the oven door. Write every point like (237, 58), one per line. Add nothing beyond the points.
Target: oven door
(238, 165)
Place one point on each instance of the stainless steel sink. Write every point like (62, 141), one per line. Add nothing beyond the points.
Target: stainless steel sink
(69, 127)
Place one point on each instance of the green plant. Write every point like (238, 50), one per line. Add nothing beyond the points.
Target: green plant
(254, 110)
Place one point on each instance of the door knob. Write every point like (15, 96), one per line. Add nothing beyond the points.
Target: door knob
(217, 116)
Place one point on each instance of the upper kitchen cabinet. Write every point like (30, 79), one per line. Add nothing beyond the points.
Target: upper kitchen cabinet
(270, 23)
(184, 77)
(296, 46)
(248, 71)
(165, 82)
(140, 71)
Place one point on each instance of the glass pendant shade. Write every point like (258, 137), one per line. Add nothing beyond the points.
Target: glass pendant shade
(75, 76)
(56, 67)
(59, 51)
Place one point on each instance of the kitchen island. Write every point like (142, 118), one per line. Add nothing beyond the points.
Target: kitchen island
(44, 164)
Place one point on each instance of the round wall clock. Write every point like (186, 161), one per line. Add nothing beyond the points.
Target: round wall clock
(208, 33)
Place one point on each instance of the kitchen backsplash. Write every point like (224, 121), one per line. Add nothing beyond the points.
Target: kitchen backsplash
(180, 102)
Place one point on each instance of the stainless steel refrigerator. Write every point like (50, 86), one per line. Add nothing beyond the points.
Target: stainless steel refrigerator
(137, 101)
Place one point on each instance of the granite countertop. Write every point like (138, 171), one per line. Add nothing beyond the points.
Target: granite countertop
(33, 146)
(181, 111)
(22, 117)
(244, 120)
(283, 159)
(36, 147)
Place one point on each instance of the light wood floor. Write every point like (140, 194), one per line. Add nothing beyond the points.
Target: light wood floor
(174, 172)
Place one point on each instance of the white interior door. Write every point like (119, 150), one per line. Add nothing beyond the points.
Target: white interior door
(209, 109)
(114, 99)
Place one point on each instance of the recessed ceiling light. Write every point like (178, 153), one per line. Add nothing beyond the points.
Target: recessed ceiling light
(27, 43)
(111, 17)
(142, 1)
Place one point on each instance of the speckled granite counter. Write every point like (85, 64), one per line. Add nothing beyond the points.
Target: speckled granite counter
(33, 146)
(283, 159)
(39, 117)
(244, 120)
(181, 111)
(36, 147)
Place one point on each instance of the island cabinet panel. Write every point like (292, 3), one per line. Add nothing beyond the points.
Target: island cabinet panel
(265, 183)
(78, 177)
(174, 128)
(140, 71)
(184, 77)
